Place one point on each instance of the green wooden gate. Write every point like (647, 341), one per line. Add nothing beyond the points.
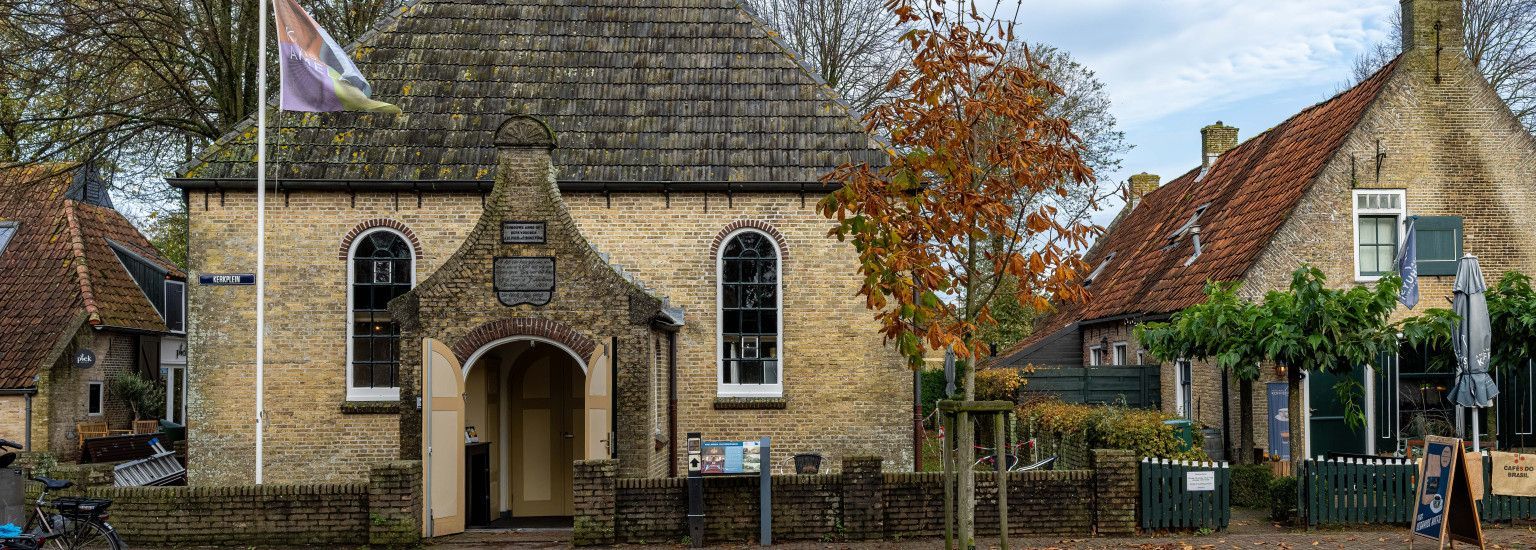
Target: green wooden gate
(1355, 490)
(1182, 494)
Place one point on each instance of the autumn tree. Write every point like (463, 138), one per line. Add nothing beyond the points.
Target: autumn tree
(1223, 329)
(970, 131)
(1500, 37)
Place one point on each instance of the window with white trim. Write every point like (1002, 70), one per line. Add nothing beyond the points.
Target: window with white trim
(1095, 354)
(1183, 388)
(94, 397)
(751, 320)
(1378, 231)
(382, 267)
(1121, 351)
(175, 310)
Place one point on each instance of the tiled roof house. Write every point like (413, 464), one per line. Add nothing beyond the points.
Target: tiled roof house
(1425, 137)
(75, 276)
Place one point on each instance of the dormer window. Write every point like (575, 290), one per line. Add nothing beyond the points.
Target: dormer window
(7, 230)
(1099, 270)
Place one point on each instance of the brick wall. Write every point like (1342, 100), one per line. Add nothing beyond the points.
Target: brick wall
(383, 511)
(862, 502)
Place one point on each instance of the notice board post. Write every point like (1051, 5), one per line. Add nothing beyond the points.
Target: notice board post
(695, 490)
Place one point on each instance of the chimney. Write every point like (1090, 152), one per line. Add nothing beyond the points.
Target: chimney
(1216, 139)
(1433, 26)
(1141, 184)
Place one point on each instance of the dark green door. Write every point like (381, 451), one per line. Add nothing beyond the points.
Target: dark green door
(1328, 431)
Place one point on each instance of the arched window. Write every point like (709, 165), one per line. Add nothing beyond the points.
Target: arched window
(751, 354)
(381, 269)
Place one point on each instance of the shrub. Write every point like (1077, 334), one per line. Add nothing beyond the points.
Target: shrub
(997, 384)
(1108, 427)
(1250, 485)
(1282, 499)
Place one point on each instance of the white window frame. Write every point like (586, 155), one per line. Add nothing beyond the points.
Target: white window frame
(1094, 353)
(1121, 353)
(722, 388)
(1182, 401)
(369, 394)
(1354, 223)
(100, 391)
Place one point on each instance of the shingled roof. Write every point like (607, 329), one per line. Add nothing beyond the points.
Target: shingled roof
(1242, 200)
(670, 90)
(60, 270)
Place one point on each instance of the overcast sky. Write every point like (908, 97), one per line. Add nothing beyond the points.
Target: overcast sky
(1173, 66)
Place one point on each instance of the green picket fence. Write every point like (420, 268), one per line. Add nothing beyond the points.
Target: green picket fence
(1356, 490)
(1502, 508)
(1183, 494)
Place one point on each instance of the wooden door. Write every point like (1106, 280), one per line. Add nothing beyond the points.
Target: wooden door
(443, 443)
(547, 389)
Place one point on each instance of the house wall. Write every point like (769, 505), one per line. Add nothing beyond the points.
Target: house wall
(837, 370)
(845, 392)
(66, 388)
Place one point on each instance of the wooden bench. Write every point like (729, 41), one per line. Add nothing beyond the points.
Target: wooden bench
(117, 448)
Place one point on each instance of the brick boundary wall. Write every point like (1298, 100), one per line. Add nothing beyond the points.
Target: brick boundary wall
(861, 503)
(385, 511)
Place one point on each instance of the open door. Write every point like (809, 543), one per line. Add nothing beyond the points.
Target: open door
(443, 441)
(599, 403)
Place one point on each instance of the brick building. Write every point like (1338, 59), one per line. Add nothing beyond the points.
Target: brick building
(84, 297)
(592, 231)
(1425, 137)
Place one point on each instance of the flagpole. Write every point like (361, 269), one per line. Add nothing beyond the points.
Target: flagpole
(261, 229)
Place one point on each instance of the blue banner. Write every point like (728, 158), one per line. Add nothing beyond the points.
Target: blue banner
(1279, 422)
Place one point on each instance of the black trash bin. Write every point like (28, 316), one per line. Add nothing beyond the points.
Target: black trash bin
(173, 432)
(807, 463)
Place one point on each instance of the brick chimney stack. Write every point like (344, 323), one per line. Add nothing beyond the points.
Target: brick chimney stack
(1141, 184)
(1216, 139)
(1431, 24)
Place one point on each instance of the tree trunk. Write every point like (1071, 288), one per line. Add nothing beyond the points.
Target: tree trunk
(1294, 416)
(967, 436)
(1245, 421)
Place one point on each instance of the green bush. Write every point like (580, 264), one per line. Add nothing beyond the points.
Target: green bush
(1282, 499)
(1108, 427)
(933, 391)
(1250, 485)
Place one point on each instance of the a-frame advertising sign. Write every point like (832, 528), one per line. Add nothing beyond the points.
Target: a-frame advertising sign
(1444, 508)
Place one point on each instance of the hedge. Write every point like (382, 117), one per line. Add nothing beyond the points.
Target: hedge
(1250, 485)
(1106, 427)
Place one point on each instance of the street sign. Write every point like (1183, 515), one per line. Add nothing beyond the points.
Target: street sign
(227, 279)
(85, 358)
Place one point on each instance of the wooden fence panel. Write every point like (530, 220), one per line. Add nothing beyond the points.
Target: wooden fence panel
(1133, 385)
(1167, 503)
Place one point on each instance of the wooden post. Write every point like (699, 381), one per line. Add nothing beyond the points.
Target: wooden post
(1002, 477)
(966, 437)
(947, 451)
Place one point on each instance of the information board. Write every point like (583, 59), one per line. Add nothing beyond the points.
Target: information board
(1200, 481)
(522, 232)
(732, 457)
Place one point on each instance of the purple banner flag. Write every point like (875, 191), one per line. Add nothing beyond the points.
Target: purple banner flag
(317, 75)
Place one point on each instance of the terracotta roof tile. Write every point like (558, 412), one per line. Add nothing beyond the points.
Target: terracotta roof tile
(1248, 193)
(59, 271)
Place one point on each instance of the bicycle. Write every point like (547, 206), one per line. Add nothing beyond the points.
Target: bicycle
(75, 524)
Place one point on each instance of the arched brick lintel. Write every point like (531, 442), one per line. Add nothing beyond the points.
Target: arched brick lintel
(523, 326)
(759, 225)
(346, 242)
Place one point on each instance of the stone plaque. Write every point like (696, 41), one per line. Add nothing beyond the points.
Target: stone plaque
(522, 233)
(524, 280)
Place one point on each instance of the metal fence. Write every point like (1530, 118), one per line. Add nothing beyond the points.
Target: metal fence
(1182, 494)
(1131, 385)
(1355, 490)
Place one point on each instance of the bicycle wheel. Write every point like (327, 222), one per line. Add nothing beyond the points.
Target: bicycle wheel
(88, 535)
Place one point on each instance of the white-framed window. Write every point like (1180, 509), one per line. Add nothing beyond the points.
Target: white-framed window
(95, 398)
(751, 316)
(1378, 231)
(1121, 352)
(381, 267)
(1095, 355)
(1183, 388)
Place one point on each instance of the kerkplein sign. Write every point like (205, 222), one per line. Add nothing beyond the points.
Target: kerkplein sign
(524, 280)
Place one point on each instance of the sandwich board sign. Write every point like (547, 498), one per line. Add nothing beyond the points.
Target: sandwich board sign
(1443, 506)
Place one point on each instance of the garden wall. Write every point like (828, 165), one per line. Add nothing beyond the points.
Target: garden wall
(862, 502)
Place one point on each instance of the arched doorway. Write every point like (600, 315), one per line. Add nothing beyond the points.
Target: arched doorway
(524, 403)
(535, 406)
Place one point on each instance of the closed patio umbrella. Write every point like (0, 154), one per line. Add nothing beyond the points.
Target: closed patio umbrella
(1474, 387)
